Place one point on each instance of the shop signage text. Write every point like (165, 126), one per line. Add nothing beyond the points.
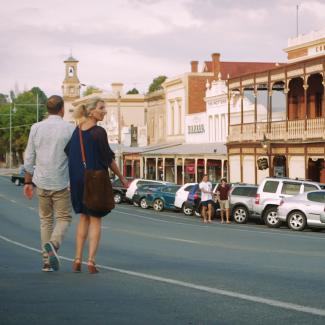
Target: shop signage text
(197, 128)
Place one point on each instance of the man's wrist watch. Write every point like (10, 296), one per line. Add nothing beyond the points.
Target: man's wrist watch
(28, 183)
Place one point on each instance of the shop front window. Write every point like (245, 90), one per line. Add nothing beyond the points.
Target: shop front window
(214, 170)
(189, 171)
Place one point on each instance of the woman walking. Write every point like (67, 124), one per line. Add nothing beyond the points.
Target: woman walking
(99, 156)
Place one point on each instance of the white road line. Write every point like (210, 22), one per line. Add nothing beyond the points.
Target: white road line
(153, 236)
(189, 285)
(13, 201)
(227, 246)
(267, 231)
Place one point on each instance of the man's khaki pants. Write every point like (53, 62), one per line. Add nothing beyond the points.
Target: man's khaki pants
(55, 216)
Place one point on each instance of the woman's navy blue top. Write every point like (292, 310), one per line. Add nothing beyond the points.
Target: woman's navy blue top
(98, 156)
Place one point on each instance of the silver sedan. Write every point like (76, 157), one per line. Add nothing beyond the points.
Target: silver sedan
(307, 209)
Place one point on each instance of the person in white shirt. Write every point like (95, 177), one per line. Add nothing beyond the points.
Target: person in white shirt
(45, 151)
(206, 198)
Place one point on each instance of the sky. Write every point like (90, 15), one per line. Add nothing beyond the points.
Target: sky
(134, 41)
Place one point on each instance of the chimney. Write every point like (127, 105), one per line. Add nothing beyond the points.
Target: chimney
(117, 87)
(194, 66)
(216, 63)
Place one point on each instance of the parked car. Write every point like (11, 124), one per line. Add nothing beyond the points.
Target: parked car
(181, 198)
(242, 201)
(119, 190)
(139, 197)
(138, 182)
(19, 178)
(306, 209)
(272, 190)
(193, 201)
(162, 197)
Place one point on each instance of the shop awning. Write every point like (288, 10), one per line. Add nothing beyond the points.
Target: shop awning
(211, 149)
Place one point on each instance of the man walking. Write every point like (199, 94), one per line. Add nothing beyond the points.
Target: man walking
(223, 190)
(206, 198)
(46, 165)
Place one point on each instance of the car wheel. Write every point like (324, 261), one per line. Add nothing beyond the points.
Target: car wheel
(17, 182)
(158, 205)
(297, 221)
(240, 214)
(187, 210)
(143, 203)
(271, 218)
(117, 198)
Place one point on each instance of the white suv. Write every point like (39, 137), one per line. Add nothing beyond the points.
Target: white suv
(138, 182)
(181, 197)
(272, 190)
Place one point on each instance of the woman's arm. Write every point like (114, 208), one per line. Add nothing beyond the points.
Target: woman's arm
(117, 172)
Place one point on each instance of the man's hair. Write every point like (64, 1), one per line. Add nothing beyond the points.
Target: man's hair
(54, 104)
(204, 175)
(223, 180)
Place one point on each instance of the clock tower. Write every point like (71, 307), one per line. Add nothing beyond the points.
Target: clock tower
(70, 86)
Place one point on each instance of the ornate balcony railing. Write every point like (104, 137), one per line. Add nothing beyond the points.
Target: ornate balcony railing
(297, 130)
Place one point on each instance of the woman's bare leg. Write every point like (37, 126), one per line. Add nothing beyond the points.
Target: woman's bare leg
(82, 232)
(94, 237)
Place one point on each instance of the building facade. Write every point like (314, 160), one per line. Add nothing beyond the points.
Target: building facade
(70, 87)
(291, 137)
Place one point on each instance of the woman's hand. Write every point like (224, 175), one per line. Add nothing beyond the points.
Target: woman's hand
(124, 182)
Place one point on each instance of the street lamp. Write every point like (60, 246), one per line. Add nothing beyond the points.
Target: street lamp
(12, 109)
(266, 144)
(264, 163)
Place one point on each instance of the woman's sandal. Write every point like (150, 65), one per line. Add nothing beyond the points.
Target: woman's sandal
(76, 266)
(92, 267)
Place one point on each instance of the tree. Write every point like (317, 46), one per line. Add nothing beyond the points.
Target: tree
(3, 99)
(24, 114)
(91, 90)
(156, 83)
(133, 91)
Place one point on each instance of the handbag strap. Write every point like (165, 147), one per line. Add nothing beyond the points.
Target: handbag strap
(83, 156)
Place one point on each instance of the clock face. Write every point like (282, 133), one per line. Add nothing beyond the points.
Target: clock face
(71, 71)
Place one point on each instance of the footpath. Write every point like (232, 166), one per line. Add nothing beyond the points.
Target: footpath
(8, 171)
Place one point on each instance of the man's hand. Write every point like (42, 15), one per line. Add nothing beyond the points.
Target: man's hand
(28, 191)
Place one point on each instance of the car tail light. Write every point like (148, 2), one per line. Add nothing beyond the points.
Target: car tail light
(257, 199)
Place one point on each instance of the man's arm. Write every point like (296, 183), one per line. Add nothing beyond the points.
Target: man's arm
(30, 155)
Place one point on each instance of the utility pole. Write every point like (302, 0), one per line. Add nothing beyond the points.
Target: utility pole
(37, 112)
(297, 20)
(10, 134)
(119, 140)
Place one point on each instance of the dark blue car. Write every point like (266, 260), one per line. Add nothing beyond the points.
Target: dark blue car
(162, 197)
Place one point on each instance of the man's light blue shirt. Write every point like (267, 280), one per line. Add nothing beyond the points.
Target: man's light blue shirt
(45, 150)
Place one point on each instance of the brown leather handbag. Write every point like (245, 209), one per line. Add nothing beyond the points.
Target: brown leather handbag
(98, 191)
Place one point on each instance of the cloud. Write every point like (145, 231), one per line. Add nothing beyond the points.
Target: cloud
(133, 41)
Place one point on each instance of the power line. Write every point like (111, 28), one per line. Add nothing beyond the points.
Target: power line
(17, 126)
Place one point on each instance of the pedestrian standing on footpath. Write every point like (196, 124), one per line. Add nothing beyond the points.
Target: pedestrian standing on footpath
(223, 190)
(89, 151)
(206, 198)
(45, 152)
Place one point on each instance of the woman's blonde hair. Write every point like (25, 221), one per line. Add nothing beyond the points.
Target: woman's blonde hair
(83, 110)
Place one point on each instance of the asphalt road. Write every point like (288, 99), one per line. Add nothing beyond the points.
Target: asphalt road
(161, 268)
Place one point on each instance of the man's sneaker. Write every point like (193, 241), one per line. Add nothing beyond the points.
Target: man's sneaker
(47, 268)
(53, 256)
